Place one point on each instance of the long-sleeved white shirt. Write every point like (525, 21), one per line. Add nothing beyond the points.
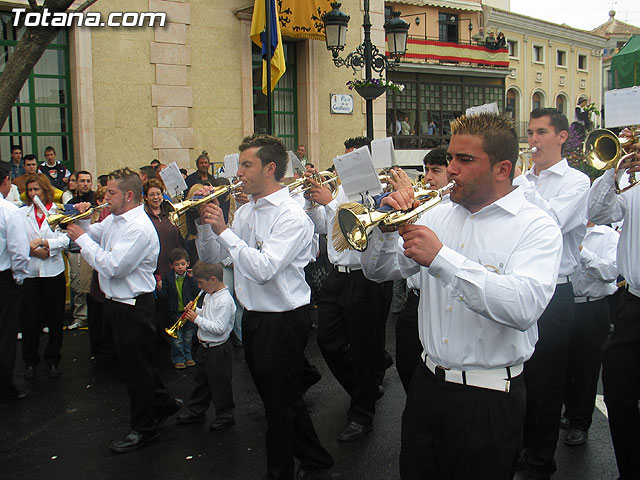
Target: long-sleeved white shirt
(598, 271)
(124, 250)
(269, 244)
(488, 285)
(561, 191)
(323, 217)
(54, 264)
(215, 318)
(14, 246)
(605, 206)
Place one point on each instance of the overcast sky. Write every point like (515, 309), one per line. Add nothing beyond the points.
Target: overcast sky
(583, 14)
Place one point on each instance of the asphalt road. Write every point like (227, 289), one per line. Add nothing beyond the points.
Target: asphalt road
(63, 430)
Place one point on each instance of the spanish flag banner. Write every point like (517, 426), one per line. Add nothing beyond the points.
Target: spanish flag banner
(258, 36)
(303, 18)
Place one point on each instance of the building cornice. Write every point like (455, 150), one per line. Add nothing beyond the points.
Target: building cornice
(533, 26)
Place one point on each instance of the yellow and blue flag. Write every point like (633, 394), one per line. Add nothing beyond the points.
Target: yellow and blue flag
(258, 36)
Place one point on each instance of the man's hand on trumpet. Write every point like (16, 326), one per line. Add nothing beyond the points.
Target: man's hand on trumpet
(74, 231)
(82, 207)
(319, 193)
(399, 179)
(212, 214)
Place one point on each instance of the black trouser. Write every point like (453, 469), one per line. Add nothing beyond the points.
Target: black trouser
(43, 304)
(621, 382)
(134, 336)
(352, 311)
(457, 432)
(213, 382)
(10, 295)
(408, 345)
(588, 334)
(544, 376)
(274, 346)
(98, 338)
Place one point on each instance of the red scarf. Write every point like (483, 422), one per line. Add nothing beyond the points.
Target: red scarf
(39, 215)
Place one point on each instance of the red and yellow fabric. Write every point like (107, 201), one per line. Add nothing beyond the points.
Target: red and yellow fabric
(418, 49)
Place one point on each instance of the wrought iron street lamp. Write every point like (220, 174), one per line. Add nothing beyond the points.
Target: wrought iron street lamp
(366, 55)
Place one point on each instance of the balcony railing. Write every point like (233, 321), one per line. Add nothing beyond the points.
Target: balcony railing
(429, 50)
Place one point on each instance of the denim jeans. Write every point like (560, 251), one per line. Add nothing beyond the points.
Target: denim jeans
(181, 346)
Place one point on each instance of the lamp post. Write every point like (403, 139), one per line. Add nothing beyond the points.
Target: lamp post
(366, 54)
(470, 26)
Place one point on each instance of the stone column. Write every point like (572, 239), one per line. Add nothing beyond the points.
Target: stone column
(171, 94)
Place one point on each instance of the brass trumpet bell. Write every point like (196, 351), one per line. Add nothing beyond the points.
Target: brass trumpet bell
(355, 222)
(602, 149)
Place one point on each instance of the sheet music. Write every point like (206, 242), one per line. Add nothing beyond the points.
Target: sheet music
(173, 180)
(294, 165)
(622, 107)
(382, 153)
(357, 173)
(486, 108)
(230, 169)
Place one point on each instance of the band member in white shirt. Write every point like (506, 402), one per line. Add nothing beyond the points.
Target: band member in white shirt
(270, 244)
(593, 282)
(14, 261)
(620, 355)
(124, 249)
(408, 346)
(45, 286)
(488, 262)
(352, 311)
(561, 191)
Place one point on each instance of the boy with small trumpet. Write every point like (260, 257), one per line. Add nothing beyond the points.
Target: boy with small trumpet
(213, 359)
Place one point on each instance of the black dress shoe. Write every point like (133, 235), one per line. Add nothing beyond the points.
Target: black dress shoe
(53, 372)
(29, 372)
(187, 419)
(171, 410)
(564, 422)
(222, 424)
(576, 437)
(354, 431)
(313, 473)
(134, 441)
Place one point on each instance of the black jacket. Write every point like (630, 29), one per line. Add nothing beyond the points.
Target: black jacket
(170, 292)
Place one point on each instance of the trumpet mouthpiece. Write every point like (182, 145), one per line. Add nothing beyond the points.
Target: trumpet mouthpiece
(534, 149)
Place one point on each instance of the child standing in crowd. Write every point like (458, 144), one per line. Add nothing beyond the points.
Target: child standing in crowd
(179, 288)
(213, 369)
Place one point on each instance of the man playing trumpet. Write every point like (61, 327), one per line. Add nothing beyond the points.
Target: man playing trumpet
(270, 244)
(488, 262)
(620, 359)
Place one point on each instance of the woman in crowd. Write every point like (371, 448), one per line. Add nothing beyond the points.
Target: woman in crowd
(45, 289)
(169, 236)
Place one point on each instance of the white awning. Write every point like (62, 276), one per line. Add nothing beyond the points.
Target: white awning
(450, 4)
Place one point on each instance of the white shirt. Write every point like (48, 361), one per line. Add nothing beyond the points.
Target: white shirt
(124, 250)
(605, 206)
(323, 218)
(58, 241)
(14, 246)
(598, 271)
(488, 285)
(215, 318)
(561, 191)
(14, 196)
(270, 244)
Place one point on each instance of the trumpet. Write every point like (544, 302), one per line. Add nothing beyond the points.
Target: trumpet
(324, 178)
(177, 211)
(173, 329)
(603, 150)
(523, 159)
(354, 222)
(61, 220)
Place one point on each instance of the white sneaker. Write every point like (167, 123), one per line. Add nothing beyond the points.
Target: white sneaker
(19, 335)
(45, 330)
(73, 326)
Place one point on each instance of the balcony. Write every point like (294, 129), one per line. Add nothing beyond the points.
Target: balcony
(431, 50)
